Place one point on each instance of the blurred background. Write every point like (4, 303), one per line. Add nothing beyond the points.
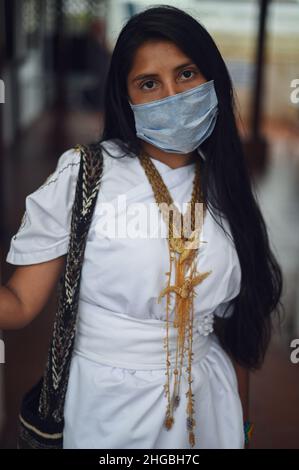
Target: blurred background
(54, 58)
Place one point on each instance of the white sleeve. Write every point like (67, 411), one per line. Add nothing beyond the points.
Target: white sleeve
(45, 227)
(230, 286)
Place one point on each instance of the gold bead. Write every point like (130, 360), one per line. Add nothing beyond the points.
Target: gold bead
(169, 422)
(191, 439)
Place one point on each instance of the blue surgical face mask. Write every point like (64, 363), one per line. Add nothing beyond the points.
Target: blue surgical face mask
(178, 123)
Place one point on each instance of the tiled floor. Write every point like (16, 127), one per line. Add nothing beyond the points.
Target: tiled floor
(275, 388)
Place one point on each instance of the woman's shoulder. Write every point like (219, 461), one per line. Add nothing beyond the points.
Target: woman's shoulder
(67, 166)
(68, 162)
(116, 154)
(43, 232)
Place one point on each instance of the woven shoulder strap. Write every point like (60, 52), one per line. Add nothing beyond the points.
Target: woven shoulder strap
(55, 379)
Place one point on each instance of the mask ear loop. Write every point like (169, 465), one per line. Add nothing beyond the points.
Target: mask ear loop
(200, 152)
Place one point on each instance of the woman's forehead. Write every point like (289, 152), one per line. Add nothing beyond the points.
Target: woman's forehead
(158, 55)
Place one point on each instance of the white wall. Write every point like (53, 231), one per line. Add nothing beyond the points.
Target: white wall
(31, 86)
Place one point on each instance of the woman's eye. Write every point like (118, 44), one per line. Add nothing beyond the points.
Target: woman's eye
(151, 82)
(188, 71)
(145, 83)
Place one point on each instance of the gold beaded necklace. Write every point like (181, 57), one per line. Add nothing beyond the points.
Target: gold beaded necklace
(183, 243)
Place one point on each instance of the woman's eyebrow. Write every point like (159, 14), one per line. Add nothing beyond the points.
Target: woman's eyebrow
(150, 75)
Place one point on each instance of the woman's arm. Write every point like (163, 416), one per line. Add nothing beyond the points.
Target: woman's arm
(26, 293)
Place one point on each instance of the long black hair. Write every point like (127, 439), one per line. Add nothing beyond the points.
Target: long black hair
(226, 184)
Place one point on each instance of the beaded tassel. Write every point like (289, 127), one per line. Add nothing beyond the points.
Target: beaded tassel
(184, 315)
(183, 253)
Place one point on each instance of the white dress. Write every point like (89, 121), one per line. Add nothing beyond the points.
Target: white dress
(115, 396)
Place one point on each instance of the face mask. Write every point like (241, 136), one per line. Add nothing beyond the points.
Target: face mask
(178, 123)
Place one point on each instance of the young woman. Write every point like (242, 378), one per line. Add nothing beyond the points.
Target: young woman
(166, 332)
